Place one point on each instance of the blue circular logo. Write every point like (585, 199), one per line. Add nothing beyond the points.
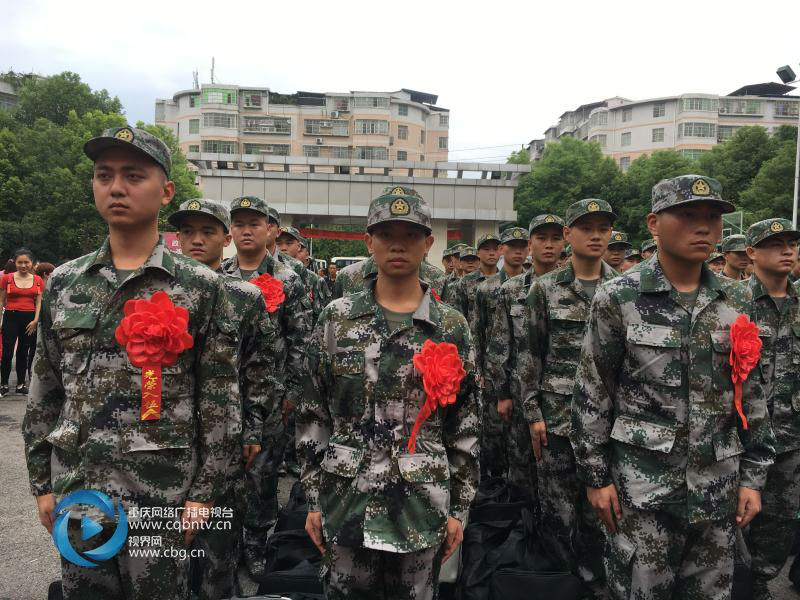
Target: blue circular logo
(89, 528)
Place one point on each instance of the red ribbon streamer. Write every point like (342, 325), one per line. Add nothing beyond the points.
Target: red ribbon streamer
(745, 354)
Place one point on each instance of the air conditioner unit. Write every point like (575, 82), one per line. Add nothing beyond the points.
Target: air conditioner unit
(334, 114)
(320, 140)
(325, 124)
(250, 165)
(267, 148)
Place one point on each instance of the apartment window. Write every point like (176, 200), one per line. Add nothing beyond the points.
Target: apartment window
(402, 132)
(402, 155)
(624, 163)
(658, 134)
(276, 125)
(600, 139)
(785, 109)
(194, 126)
(194, 101)
(421, 137)
(252, 99)
(699, 104)
(659, 109)
(402, 110)
(194, 148)
(222, 120)
(725, 132)
(598, 119)
(422, 157)
(220, 96)
(727, 106)
(625, 139)
(341, 104)
(372, 153)
(341, 152)
(221, 146)
(370, 102)
(442, 143)
(444, 120)
(274, 149)
(627, 114)
(692, 154)
(311, 151)
(371, 127)
(700, 130)
(325, 127)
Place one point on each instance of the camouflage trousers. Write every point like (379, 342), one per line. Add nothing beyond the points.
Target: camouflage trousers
(290, 452)
(123, 575)
(656, 555)
(221, 545)
(569, 525)
(494, 437)
(521, 462)
(772, 532)
(261, 495)
(364, 574)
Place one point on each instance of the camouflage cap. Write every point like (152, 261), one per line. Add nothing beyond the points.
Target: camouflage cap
(543, 220)
(528, 260)
(590, 206)
(201, 206)
(514, 234)
(304, 243)
(619, 238)
(734, 243)
(649, 244)
(758, 232)
(451, 251)
(489, 237)
(291, 231)
(632, 253)
(688, 188)
(714, 256)
(398, 203)
(468, 251)
(274, 215)
(253, 203)
(131, 137)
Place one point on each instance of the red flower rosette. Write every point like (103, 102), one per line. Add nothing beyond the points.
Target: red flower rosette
(745, 354)
(271, 289)
(154, 332)
(442, 372)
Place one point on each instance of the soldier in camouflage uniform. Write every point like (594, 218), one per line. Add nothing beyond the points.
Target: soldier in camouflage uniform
(494, 435)
(772, 245)
(324, 293)
(84, 425)
(289, 243)
(385, 518)
(716, 262)
(203, 231)
(734, 249)
(249, 225)
(648, 248)
(615, 253)
(453, 276)
(632, 258)
(507, 356)
(657, 438)
(558, 308)
(449, 261)
(463, 296)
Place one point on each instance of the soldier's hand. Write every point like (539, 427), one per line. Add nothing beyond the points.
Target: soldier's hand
(538, 438)
(45, 505)
(606, 504)
(504, 409)
(749, 506)
(249, 453)
(314, 530)
(455, 535)
(192, 519)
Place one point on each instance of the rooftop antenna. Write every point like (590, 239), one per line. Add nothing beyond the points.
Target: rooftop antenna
(195, 80)
(212, 70)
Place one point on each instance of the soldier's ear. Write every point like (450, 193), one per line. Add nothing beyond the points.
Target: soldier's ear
(751, 252)
(368, 242)
(652, 224)
(428, 243)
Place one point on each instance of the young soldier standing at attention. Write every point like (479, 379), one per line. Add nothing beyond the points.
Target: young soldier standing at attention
(112, 408)
(658, 437)
(772, 245)
(558, 308)
(734, 249)
(488, 252)
(507, 354)
(250, 229)
(649, 248)
(615, 254)
(384, 512)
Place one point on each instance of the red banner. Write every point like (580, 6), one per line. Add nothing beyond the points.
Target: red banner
(332, 234)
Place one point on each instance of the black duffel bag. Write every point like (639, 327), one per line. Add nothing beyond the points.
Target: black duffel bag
(293, 516)
(300, 583)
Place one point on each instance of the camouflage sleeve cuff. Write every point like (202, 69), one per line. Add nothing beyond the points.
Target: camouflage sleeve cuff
(532, 410)
(461, 515)
(41, 489)
(312, 497)
(595, 478)
(753, 475)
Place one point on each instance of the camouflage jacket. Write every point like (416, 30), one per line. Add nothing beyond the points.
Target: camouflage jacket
(293, 322)
(779, 368)
(353, 427)
(653, 405)
(310, 281)
(486, 298)
(463, 296)
(82, 426)
(352, 279)
(508, 340)
(558, 308)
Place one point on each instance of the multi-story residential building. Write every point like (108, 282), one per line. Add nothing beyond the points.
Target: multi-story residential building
(690, 123)
(229, 119)
(8, 96)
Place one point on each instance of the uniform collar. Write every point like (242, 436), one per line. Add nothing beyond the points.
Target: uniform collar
(652, 278)
(267, 265)
(364, 303)
(567, 273)
(160, 258)
(759, 291)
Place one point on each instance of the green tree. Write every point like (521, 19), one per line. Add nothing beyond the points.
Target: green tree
(771, 192)
(54, 97)
(520, 157)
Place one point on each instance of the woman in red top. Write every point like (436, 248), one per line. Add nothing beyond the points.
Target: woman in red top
(21, 296)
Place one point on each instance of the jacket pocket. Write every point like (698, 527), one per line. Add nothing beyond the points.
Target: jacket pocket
(343, 461)
(423, 468)
(643, 434)
(150, 437)
(75, 333)
(348, 384)
(517, 314)
(655, 354)
(721, 360)
(727, 444)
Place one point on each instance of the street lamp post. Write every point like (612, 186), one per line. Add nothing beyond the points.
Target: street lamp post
(788, 76)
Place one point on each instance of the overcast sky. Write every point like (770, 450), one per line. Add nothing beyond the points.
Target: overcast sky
(506, 70)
